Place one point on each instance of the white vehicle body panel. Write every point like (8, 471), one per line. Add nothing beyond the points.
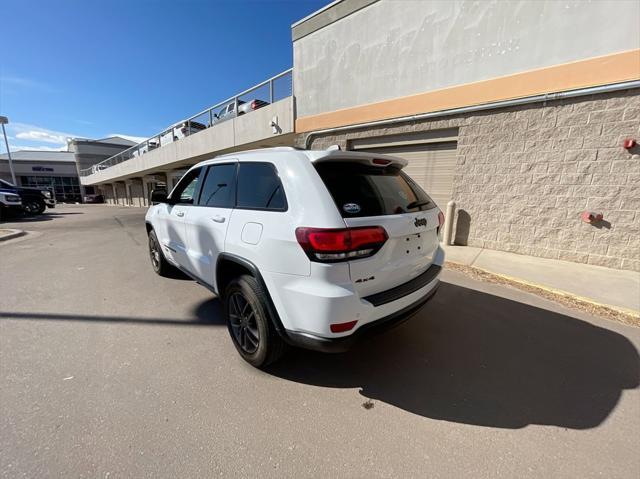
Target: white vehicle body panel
(307, 295)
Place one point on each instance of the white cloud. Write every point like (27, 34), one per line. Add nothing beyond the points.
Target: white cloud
(24, 131)
(42, 136)
(36, 148)
(137, 139)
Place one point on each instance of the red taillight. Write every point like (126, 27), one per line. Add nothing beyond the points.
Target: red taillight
(379, 161)
(254, 105)
(342, 327)
(330, 245)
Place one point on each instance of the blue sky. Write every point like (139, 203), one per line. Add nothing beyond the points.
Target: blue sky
(92, 68)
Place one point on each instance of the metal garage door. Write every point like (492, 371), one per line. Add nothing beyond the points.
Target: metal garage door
(431, 165)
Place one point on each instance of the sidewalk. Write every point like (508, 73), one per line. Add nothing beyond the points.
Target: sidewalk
(610, 287)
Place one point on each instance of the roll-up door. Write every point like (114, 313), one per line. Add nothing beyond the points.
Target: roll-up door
(431, 165)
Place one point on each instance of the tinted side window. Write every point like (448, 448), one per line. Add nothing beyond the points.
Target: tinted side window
(259, 187)
(219, 187)
(186, 187)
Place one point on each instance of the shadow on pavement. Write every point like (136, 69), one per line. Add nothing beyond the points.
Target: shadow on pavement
(207, 313)
(474, 358)
(47, 216)
(467, 357)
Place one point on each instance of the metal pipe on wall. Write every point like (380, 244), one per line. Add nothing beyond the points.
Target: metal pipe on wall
(486, 106)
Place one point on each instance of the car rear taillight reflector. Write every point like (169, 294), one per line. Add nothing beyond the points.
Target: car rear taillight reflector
(380, 161)
(342, 327)
(331, 245)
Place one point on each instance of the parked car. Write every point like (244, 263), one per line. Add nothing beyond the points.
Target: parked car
(307, 248)
(98, 167)
(146, 147)
(10, 203)
(34, 200)
(93, 198)
(180, 130)
(228, 111)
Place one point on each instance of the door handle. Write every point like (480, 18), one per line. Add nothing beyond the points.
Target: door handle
(219, 219)
(180, 214)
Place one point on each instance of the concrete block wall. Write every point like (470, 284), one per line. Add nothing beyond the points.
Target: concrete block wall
(525, 174)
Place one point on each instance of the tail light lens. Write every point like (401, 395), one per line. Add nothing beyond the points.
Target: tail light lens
(183, 130)
(333, 245)
(440, 220)
(254, 105)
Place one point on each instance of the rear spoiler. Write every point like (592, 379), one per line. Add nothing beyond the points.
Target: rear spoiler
(371, 159)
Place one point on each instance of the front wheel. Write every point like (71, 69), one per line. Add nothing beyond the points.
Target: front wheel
(34, 207)
(158, 261)
(249, 323)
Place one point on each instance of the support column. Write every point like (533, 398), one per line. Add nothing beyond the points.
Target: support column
(114, 200)
(145, 191)
(127, 190)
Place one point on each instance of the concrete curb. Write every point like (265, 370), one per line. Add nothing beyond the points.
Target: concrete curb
(12, 234)
(554, 291)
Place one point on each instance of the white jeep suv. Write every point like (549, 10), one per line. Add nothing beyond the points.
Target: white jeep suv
(307, 248)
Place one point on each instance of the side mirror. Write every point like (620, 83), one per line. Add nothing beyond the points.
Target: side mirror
(159, 196)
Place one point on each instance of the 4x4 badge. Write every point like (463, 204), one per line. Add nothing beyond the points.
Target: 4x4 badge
(420, 222)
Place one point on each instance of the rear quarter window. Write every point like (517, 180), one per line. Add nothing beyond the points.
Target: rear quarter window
(359, 190)
(259, 187)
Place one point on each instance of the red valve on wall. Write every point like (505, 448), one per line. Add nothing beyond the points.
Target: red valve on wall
(589, 217)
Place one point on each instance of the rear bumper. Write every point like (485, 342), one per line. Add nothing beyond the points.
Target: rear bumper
(51, 203)
(344, 343)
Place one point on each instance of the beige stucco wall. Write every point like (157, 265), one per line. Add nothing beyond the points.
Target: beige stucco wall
(396, 48)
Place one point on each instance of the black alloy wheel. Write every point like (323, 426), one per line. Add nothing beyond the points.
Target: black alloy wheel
(244, 325)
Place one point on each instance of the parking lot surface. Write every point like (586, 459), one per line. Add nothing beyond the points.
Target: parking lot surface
(107, 370)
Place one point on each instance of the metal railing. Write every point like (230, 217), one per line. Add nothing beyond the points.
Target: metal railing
(269, 91)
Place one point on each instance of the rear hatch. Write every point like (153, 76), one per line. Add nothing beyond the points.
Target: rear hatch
(375, 192)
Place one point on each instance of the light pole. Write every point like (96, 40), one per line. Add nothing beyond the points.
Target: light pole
(3, 121)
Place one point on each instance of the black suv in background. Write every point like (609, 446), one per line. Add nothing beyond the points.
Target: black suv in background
(34, 200)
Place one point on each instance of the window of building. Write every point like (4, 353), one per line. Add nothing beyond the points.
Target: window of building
(259, 187)
(65, 188)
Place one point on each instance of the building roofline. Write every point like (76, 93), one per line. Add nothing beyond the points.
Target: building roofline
(326, 16)
(317, 12)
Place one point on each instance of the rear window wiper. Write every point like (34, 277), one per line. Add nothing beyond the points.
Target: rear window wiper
(417, 204)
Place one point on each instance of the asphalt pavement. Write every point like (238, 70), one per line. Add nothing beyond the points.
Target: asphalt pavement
(107, 371)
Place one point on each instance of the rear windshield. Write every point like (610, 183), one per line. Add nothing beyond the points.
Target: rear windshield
(360, 190)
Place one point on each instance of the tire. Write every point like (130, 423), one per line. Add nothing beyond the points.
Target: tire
(250, 324)
(158, 261)
(34, 206)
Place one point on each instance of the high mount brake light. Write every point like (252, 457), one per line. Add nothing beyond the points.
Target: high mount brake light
(380, 161)
(333, 245)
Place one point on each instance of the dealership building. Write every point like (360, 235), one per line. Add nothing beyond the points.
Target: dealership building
(58, 170)
(525, 113)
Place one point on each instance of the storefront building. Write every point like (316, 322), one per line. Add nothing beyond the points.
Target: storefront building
(526, 114)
